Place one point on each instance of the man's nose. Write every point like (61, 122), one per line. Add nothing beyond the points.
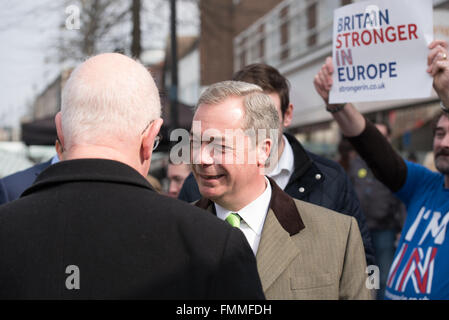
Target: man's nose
(444, 142)
(172, 187)
(207, 157)
(202, 154)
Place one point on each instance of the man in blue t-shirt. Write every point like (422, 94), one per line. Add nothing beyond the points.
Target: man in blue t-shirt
(421, 265)
(420, 269)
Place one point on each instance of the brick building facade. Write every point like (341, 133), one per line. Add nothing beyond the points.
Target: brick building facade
(221, 21)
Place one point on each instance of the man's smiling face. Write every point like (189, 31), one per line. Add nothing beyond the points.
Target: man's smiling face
(221, 160)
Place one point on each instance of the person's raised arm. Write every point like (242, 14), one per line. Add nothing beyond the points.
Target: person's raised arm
(372, 146)
(350, 121)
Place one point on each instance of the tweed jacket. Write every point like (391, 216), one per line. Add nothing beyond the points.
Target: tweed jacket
(308, 252)
(316, 180)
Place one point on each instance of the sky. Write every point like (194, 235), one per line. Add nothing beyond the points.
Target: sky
(26, 31)
(29, 30)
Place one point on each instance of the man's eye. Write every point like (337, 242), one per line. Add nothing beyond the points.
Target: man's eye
(225, 148)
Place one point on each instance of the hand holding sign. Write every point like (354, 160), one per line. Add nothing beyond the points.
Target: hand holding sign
(323, 80)
(351, 122)
(437, 67)
(438, 62)
(378, 47)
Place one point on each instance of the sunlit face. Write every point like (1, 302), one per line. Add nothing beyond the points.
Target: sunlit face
(441, 145)
(222, 163)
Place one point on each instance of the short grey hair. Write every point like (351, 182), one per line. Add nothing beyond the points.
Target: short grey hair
(260, 111)
(109, 96)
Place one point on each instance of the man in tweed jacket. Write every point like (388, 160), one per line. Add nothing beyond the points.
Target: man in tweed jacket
(303, 251)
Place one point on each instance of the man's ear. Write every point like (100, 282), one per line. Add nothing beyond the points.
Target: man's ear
(148, 138)
(288, 116)
(58, 122)
(59, 149)
(263, 152)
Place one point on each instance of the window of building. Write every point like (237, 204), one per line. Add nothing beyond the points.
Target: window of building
(243, 53)
(283, 16)
(312, 24)
(261, 33)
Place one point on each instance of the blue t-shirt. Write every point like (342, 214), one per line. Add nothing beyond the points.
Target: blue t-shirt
(420, 269)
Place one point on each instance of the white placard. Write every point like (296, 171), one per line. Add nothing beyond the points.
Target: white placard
(380, 50)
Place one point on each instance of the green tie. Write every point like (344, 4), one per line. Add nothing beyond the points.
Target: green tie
(233, 219)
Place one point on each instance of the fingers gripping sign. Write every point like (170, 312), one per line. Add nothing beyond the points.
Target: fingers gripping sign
(323, 80)
(438, 68)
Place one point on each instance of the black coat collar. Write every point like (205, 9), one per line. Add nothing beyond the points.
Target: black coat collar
(88, 170)
(42, 166)
(302, 161)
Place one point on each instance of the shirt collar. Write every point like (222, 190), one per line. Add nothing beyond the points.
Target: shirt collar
(55, 159)
(283, 206)
(254, 213)
(286, 161)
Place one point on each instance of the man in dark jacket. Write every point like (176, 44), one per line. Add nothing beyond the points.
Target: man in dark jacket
(12, 186)
(301, 174)
(91, 226)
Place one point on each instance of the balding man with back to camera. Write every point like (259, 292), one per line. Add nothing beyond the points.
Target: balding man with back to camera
(91, 226)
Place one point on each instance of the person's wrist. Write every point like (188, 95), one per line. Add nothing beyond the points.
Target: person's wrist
(444, 102)
(443, 107)
(334, 108)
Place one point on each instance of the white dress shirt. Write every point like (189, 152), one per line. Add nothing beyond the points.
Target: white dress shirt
(284, 168)
(253, 217)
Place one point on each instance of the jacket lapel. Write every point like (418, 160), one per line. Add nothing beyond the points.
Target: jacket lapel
(276, 251)
(276, 248)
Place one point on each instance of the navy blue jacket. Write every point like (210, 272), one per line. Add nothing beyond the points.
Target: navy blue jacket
(12, 186)
(315, 180)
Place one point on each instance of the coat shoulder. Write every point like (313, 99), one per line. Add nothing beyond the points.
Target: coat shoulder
(333, 170)
(319, 214)
(325, 223)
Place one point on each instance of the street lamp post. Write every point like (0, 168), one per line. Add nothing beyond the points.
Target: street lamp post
(174, 68)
